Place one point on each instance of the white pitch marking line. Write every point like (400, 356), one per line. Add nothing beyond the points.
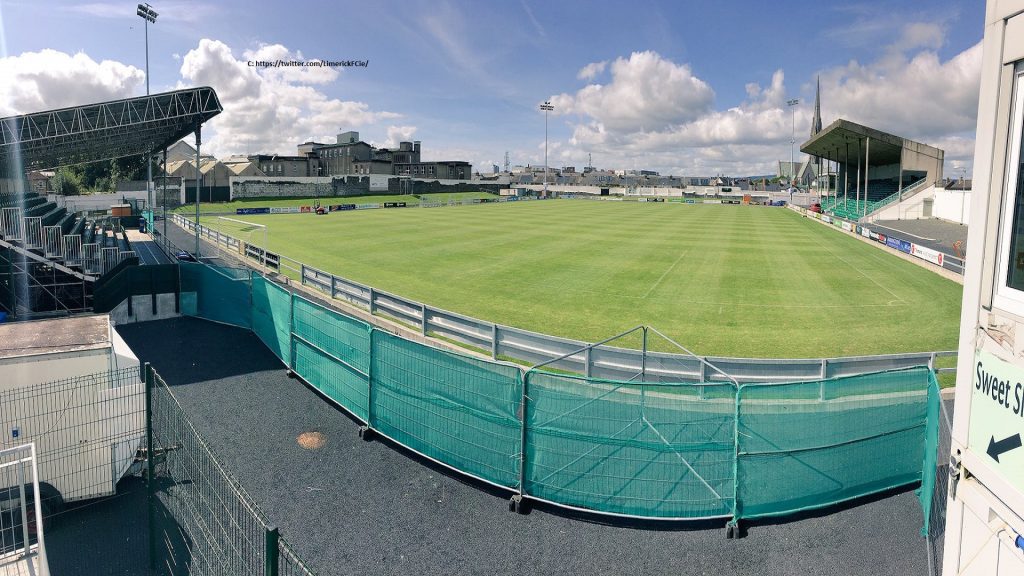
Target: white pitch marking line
(665, 273)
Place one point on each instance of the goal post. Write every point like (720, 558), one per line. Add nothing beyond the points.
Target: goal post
(243, 239)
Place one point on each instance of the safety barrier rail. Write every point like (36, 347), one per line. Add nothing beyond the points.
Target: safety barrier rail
(528, 347)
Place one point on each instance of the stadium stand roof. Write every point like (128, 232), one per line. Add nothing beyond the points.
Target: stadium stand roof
(102, 131)
(840, 140)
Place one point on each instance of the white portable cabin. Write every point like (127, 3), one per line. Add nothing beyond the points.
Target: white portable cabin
(985, 499)
(88, 427)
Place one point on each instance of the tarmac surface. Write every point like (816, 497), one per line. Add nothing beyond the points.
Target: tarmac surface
(145, 248)
(354, 507)
(930, 233)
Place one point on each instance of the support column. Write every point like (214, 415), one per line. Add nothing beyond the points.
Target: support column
(199, 182)
(846, 173)
(867, 162)
(164, 201)
(859, 161)
(899, 185)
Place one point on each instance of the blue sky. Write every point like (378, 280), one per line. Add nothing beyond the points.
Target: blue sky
(682, 87)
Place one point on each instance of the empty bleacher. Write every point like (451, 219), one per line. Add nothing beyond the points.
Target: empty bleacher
(33, 223)
(880, 192)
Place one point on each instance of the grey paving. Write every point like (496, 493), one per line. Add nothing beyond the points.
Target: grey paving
(355, 507)
(930, 233)
(149, 253)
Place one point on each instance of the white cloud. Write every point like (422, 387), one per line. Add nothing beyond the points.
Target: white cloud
(398, 134)
(35, 81)
(300, 74)
(928, 35)
(592, 70)
(916, 96)
(269, 110)
(646, 92)
(533, 19)
(655, 113)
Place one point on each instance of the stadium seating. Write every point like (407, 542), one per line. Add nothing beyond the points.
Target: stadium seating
(881, 192)
(54, 216)
(79, 227)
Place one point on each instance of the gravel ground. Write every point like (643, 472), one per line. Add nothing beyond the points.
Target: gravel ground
(106, 536)
(354, 507)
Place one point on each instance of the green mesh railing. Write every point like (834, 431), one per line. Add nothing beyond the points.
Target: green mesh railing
(640, 449)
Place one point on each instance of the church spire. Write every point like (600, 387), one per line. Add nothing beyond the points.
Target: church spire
(816, 122)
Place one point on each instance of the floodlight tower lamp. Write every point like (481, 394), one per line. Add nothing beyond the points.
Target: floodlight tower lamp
(546, 107)
(792, 142)
(146, 12)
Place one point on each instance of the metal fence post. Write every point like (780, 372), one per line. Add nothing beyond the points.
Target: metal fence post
(643, 357)
(516, 503)
(494, 341)
(732, 527)
(423, 319)
(373, 294)
(270, 551)
(291, 330)
(366, 432)
(150, 467)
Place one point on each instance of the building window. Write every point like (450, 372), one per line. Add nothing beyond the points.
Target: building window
(1010, 288)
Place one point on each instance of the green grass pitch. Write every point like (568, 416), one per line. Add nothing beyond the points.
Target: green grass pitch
(721, 280)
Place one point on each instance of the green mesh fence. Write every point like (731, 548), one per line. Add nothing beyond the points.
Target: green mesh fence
(807, 445)
(652, 450)
(926, 493)
(271, 316)
(332, 353)
(216, 293)
(655, 450)
(456, 409)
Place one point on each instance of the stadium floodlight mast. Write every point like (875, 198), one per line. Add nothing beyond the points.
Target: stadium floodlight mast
(546, 107)
(146, 12)
(792, 142)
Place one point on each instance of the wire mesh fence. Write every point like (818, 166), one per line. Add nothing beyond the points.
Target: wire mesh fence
(88, 431)
(20, 538)
(936, 528)
(202, 520)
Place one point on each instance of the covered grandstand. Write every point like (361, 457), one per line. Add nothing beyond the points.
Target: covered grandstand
(50, 256)
(872, 168)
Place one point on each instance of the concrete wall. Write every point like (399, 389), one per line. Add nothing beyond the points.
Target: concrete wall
(952, 205)
(909, 209)
(142, 309)
(923, 158)
(659, 191)
(312, 187)
(569, 188)
(97, 201)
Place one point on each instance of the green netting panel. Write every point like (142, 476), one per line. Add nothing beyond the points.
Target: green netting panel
(639, 449)
(456, 409)
(813, 444)
(332, 353)
(216, 293)
(271, 317)
(931, 456)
